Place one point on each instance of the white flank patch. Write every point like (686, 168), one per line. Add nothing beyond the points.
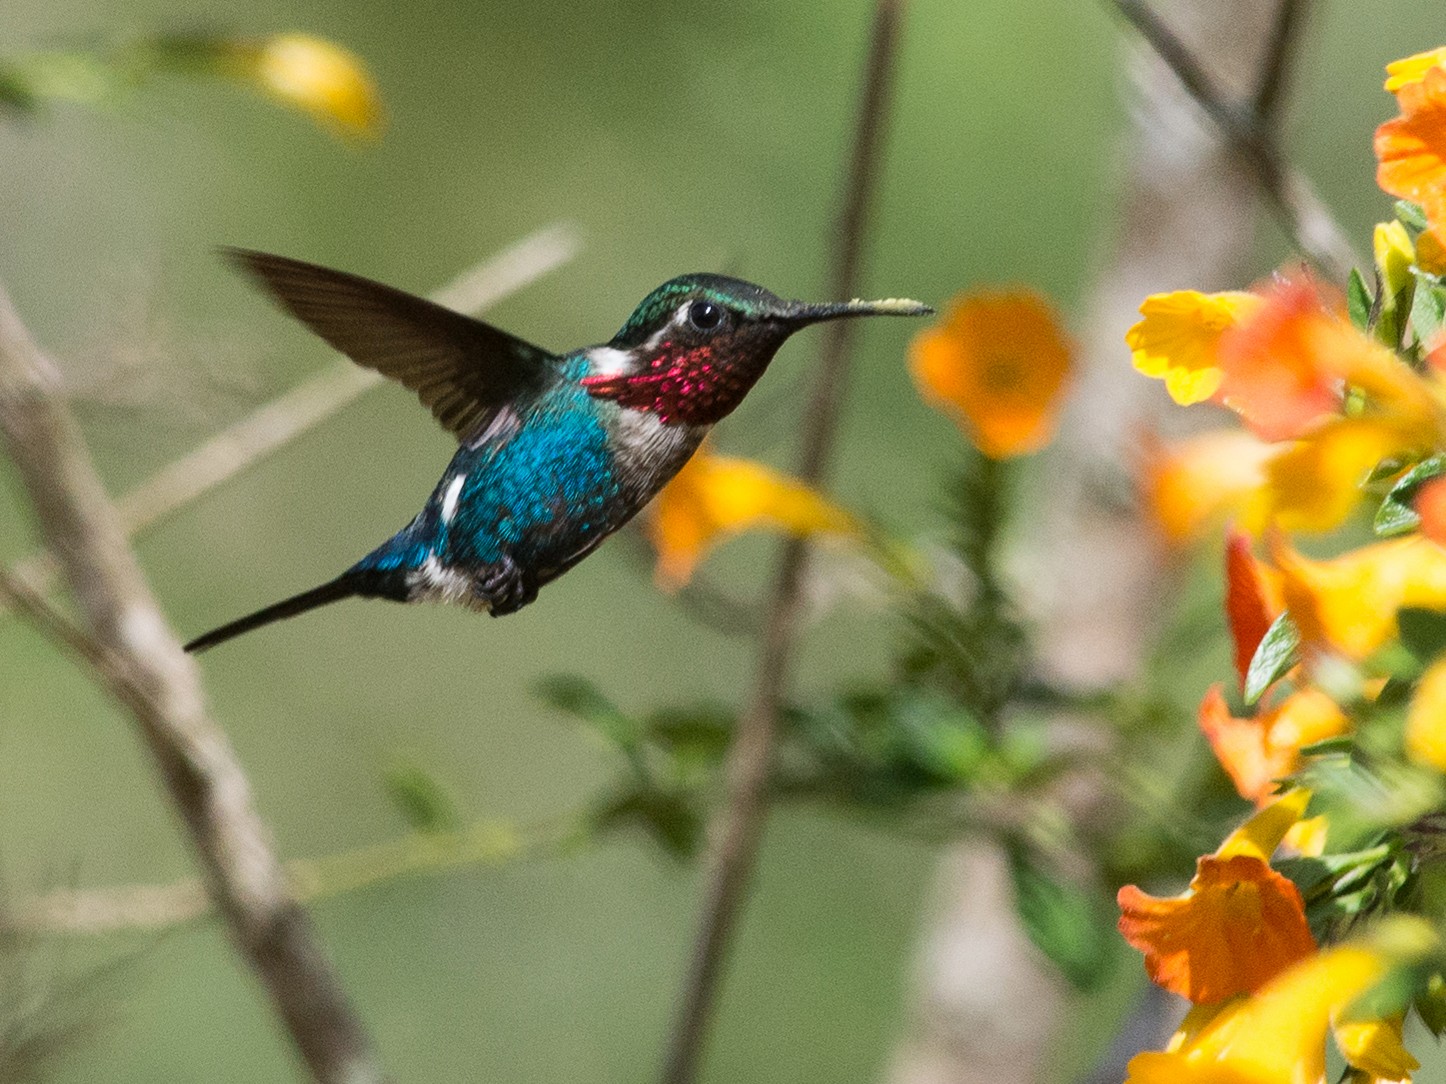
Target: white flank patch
(436, 582)
(610, 361)
(449, 499)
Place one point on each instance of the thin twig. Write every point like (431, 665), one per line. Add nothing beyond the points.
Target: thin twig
(162, 906)
(1275, 67)
(1301, 212)
(149, 673)
(739, 827)
(273, 425)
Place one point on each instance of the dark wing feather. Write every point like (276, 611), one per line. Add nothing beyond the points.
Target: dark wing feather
(463, 370)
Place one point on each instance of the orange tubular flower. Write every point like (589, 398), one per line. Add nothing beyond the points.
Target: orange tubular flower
(1276, 1037)
(1431, 507)
(1237, 927)
(1411, 148)
(1348, 604)
(1191, 484)
(714, 497)
(998, 363)
(1178, 339)
(1252, 599)
(1257, 753)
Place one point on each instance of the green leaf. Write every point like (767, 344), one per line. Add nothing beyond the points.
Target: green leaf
(1411, 215)
(1397, 513)
(421, 798)
(1431, 1004)
(1065, 923)
(1279, 650)
(580, 698)
(1428, 309)
(1358, 299)
(1422, 631)
(670, 818)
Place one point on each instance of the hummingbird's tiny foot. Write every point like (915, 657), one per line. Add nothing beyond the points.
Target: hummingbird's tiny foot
(505, 588)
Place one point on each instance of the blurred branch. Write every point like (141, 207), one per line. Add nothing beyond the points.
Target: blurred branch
(738, 829)
(275, 424)
(1304, 216)
(1280, 52)
(153, 907)
(141, 662)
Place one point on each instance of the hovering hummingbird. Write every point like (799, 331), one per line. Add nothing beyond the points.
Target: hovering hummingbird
(557, 451)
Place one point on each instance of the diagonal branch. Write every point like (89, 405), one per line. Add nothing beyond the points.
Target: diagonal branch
(739, 828)
(1301, 212)
(275, 424)
(142, 664)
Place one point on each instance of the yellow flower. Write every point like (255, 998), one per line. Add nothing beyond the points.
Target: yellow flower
(714, 497)
(319, 77)
(999, 363)
(1277, 1036)
(1394, 256)
(1179, 335)
(1375, 1047)
(1426, 719)
(1193, 483)
(1412, 69)
(1315, 483)
(1349, 603)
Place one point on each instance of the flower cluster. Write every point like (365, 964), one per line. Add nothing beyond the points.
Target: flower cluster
(1340, 699)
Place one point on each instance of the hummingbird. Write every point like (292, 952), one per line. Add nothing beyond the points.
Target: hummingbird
(555, 451)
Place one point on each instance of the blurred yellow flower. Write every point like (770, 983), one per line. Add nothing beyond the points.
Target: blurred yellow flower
(319, 77)
(1376, 1047)
(1426, 719)
(1196, 482)
(1315, 483)
(1412, 69)
(1238, 925)
(1178, 338)
(999, 364)
(1394, 255)
(1277, 1036)
(714, 497)
(1348, 604)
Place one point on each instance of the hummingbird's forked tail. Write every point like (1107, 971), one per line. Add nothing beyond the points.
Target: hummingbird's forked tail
(333, 591)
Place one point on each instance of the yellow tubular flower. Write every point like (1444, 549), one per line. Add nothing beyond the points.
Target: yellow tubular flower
(321, 78)
(1178, 337)
(1426, 719)
(1375, 1047)
(1412, 69)
(714, 497)
(1276, 1036)
(1394, 256)
(1315, 483)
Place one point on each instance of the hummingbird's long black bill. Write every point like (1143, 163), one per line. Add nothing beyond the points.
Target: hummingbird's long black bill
(802, 313)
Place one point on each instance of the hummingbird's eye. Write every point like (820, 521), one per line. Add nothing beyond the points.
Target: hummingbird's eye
(704, 315)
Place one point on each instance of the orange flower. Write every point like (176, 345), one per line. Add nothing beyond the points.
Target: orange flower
(1277, 1036)
(1412, 69)
(1179, 337)
(1252, 599)
(1257, 753)
(998, 363)
(1198, 481)
(1348, 604)
(1431, 253)
(1237, 927)
(714, 497)
(1411, 148)
(1431, 507)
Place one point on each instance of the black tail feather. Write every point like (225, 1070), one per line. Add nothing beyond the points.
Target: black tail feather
(334, 591)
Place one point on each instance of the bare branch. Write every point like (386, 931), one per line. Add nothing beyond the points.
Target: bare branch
(1301, 212)
(1280, 52)
(149, 673)
(275, 424)
(736, 833)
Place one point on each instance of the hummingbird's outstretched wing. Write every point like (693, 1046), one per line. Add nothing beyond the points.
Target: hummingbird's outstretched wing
(463, 370)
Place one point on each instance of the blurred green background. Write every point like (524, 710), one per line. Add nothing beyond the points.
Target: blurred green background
(680, 136)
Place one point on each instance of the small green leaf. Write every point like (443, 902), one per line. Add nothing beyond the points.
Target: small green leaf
(1428, 309)
(1422, 631)
(580, 698)
(1397, 513)
(1358, 299)
(1431, 1004)
(1411, 215)
(1279, 650)
(1064, 922)
(421, 798)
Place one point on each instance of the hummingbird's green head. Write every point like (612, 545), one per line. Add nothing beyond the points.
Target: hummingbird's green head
(696, 345)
